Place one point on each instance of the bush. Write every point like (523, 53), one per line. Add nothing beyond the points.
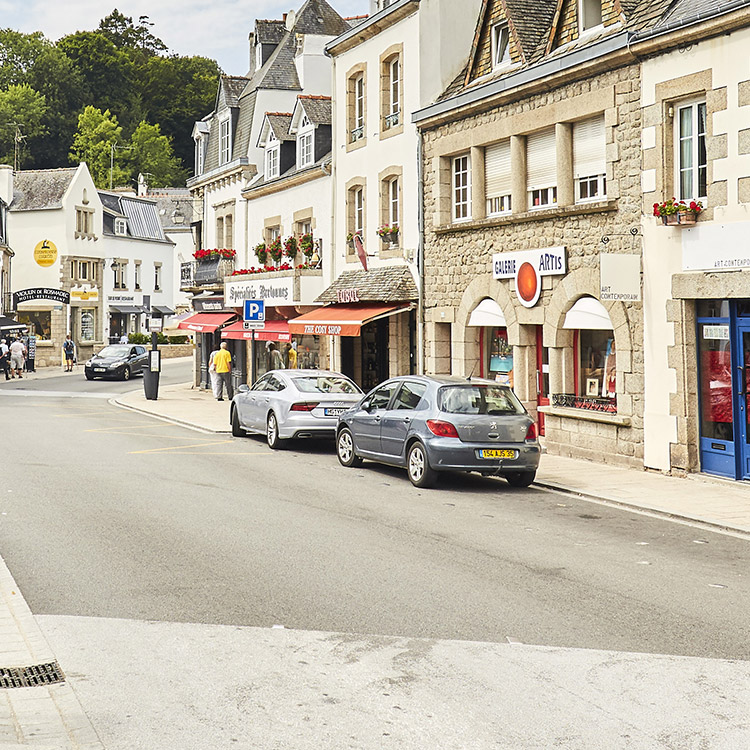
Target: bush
(145, 339)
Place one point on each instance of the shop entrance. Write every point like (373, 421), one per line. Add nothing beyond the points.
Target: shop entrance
(542, 377)
(724, 386)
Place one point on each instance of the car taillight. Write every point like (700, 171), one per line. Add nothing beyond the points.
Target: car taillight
(306, 406)
(531, 432)
(442, 429)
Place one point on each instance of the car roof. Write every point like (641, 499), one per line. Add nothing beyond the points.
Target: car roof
(448, 379)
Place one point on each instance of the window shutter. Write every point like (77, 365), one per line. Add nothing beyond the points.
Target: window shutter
(589, 148)
(541, 167)
(497, 170)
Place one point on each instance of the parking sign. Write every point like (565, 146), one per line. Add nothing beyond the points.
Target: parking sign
(255, 310)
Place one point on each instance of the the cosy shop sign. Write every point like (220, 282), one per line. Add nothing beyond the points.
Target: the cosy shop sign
(527, 267)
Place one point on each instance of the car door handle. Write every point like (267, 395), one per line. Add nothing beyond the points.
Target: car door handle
(377, 418)
(406, 420)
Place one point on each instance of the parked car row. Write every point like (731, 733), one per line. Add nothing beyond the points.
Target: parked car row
(426, 424)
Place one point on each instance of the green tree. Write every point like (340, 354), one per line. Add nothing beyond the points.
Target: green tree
(22, 110)
(98, 132)
(136, 39)
(152, 153)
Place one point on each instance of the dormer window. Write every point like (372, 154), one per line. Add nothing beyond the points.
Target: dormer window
(305, 149)
(225, 141)
(272, 162)
(258, 56)
(199, 154)
(121, 227)
(500, 45)
(589, 14)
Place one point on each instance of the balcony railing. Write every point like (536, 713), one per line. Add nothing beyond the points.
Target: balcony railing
(357, 134)
(205, 272)
(392, 120)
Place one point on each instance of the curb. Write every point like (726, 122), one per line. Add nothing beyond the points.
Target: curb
(173, 420)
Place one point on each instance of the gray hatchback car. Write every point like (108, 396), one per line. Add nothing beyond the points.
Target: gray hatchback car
(432, 423)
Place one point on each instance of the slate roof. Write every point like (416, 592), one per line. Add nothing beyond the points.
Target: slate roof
(168, 200)
(387, 284)
(279, 123)
(269, 32)
(689, 10)
(233, 86)
(39, 189)
(143, 221)
(291, 172)
(317, 108)
(318, 17)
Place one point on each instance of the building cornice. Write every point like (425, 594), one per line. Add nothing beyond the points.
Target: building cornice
(278, 186)
(231, 170)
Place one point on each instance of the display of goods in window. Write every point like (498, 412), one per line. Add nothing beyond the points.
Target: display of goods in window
(673, 212)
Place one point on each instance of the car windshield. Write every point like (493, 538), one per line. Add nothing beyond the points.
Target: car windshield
(114, 351)
(479, 399)
(325, 384)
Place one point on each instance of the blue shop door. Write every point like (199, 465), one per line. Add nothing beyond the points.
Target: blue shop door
(742, 400)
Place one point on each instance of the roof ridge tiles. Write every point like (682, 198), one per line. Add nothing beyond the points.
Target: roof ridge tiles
(313, 96)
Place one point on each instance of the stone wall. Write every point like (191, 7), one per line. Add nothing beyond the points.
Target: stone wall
(458, 268)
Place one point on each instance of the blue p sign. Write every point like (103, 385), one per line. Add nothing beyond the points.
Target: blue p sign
(255, 310)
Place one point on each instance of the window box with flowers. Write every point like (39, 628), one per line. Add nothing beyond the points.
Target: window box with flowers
(350, 239)
(389, 234)
(214, 254)
(273, 269)
(678, 213)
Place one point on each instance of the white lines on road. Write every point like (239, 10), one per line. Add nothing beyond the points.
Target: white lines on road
(513, 641)
(55, 394)
(717, 585)
(643, 562)
(178, 447)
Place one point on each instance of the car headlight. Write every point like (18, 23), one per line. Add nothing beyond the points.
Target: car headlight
(89, 363)
(118, 364)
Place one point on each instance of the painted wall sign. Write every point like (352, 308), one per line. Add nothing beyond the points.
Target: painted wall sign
(45, 253)
(527, 267)
(620, 277)
(716, 247)
(26, 295)
(347, 295)
(272, 291)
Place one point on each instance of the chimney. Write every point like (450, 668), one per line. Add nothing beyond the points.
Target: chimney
(142, 185)
(6, 184)
(251, 46)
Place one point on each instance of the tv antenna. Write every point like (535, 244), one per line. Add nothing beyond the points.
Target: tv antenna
(18, 140)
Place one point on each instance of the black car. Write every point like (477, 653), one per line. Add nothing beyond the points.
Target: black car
(120, 361)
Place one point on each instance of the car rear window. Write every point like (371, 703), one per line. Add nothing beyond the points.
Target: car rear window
(479, 399)
(325, 384)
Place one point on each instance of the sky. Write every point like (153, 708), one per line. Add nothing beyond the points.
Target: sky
(213, 28)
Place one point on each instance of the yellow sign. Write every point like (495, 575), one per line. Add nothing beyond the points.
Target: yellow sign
(45, 253)
(85, 293)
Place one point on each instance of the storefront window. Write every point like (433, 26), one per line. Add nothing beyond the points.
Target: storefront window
(39, 323)
(308, 352)
(597, 364)
(87, 324)
(500, 365)
(715, 364)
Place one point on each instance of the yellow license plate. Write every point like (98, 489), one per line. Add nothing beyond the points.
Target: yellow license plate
(497, 454)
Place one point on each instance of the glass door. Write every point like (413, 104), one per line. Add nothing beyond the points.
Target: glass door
(742, 391)
(542, 377)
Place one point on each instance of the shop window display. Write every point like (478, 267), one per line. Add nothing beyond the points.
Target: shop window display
(38, 321)
(597, 364)
(500, 365)
(715, 362)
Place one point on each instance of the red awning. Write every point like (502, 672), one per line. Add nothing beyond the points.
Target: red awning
(342, 320)
(206, 322)
(275, 330)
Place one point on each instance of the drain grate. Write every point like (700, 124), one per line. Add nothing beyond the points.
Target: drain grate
(39, 674)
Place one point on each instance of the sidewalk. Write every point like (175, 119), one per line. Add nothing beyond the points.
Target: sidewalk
(720, 503)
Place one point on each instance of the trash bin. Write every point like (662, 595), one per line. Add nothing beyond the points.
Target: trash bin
(151, 384)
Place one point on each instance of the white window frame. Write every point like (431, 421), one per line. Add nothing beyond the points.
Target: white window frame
(497, 178)
(137, 275)
(583, 28)
(305, 150)
(394, 208)
(358, 123)
(500, 45)
(157, 277)
(540, 185)
(394, 85)
(589, 160)
(121, 227)
(225, 141)
(199, 155)
(359, 209)
(461, 188)
(272, 161)
(694, 141)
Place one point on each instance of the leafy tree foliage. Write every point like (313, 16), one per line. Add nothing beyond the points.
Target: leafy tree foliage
(20, 106)
(98, 132)
(152, 153)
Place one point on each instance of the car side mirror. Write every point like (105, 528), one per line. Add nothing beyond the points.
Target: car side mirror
(369, 408)
(244, 388)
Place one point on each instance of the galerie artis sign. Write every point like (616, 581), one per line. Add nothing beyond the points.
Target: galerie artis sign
(527, 267)
(271, 291)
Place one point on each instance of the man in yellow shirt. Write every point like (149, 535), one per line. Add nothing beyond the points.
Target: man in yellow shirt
(223, 365)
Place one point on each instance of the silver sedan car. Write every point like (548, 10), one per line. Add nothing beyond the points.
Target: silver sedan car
(430, 424)
(285, 404)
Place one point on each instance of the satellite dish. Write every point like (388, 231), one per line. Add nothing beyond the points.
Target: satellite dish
(291, 17)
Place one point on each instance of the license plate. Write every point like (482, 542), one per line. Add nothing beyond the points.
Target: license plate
(496, 453)
(333, 412)
(100, 369)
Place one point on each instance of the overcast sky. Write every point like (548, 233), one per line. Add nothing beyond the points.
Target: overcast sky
(212, 28)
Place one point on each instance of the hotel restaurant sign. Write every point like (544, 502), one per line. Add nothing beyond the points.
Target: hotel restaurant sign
(26, 295)
(273, 292)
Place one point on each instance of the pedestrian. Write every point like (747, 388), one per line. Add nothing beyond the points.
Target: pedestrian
(212, 373)
(4, 358)
(277, 361)
(291, 355)
(69, 348)
(223, 364)
(17, 356)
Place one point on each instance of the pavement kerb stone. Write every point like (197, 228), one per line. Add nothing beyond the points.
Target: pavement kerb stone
(174, 420)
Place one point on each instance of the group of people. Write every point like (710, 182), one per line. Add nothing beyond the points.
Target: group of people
(12, 358)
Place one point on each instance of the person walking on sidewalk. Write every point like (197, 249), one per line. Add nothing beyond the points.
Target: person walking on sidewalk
(17, 356)
(223, 364)
(212, 373)
(69, 348)
(4, 358)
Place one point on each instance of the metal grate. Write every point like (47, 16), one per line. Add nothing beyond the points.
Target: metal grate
(39, 674)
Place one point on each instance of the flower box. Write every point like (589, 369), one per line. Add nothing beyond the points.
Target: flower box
(677, 213)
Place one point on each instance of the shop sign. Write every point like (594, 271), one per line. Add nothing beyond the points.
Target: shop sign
(344, 296)
(121, 298)
(45, 253)
(720, 333)
(716, 247)
(85, 293)
(527, 267)
(620, 277)
(322, 329)
(272, 291)
(26, 295)
(215, 304)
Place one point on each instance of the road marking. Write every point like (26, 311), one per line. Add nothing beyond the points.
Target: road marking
(131, 427)
(177, 447)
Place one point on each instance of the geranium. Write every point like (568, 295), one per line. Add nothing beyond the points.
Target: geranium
(271, 269)
(214, 253)
(673, 206)
(275, 249)
(350, 237)
(260, 252)
(388, 231)
(306, 244)
(290, 247)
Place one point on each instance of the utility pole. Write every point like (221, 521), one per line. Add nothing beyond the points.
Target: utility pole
(18, 139)
(113, 146)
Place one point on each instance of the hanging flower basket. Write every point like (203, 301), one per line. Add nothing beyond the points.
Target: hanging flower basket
(673, 212)
(306, 244)
(261, 252)
(290, 247)
(275, 250)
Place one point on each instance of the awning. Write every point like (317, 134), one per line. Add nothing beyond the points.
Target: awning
(275, 330)
(8, 324)
(588, 314)
(206, 322)
(341, 320)
(125, 309)
(487, 313)
(173, 324)
(162, 310)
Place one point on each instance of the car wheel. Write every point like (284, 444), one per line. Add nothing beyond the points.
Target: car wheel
(237, 431)
(272, 433)
(520, 478)
(126, 374)
(89, 376)
(345, 449)
(418, 467)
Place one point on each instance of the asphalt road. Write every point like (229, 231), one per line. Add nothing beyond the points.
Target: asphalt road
(110, 514)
